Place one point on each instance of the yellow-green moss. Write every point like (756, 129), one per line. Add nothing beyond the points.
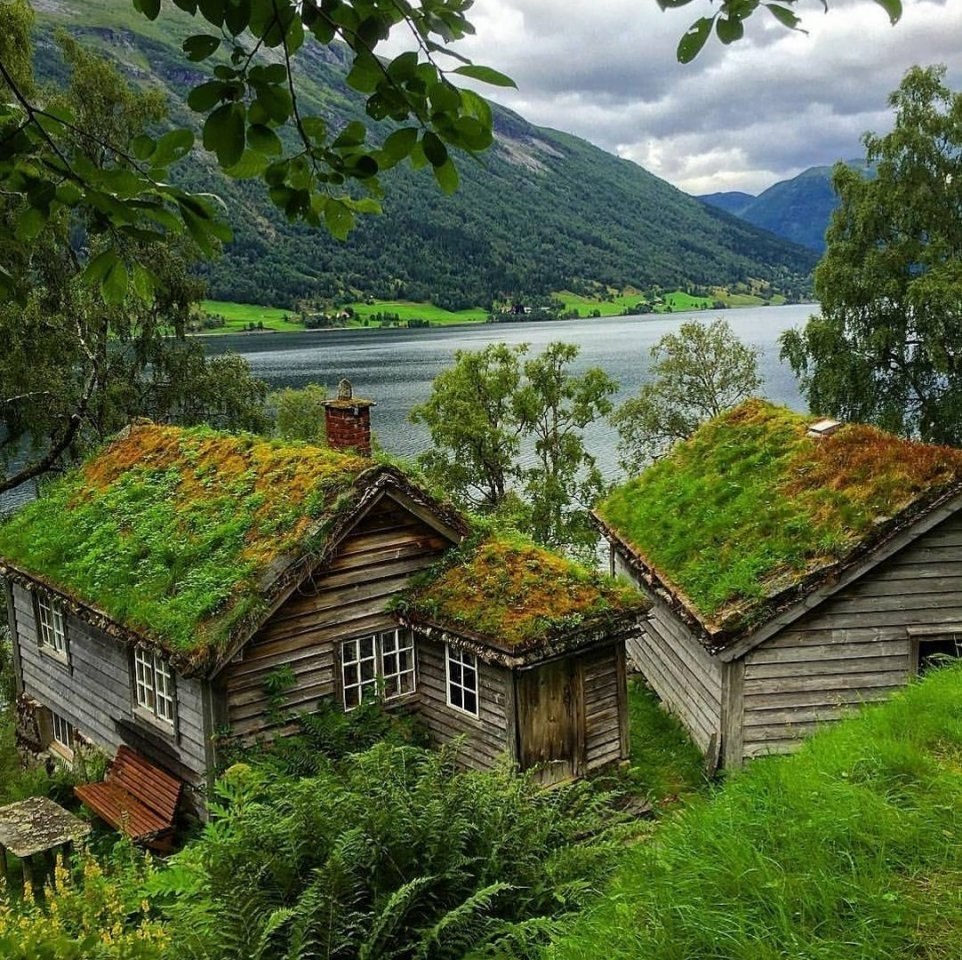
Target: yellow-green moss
(751, 505)
(170, 531)
(514, 593)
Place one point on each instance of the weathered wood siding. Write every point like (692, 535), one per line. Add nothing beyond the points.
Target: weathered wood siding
(95, 693)
(679, 669)
(605, 701)
(349, 599)
(855, 647)
(487, 738)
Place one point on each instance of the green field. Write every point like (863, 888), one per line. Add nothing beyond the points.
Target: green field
(239, 316)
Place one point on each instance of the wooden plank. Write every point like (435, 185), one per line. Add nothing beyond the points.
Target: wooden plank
(828, 667)
(805, 652)
(767, 748)
(823, 713)
(803, 698)
(732, 724)
(15, 640)
(858, 681)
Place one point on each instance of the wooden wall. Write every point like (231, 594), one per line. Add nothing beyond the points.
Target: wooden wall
(486, 738)
(95, 693)
(855, 647)
(679, 669)
(349, 599)
(606, 706)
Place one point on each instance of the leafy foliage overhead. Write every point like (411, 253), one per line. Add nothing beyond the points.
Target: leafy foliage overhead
(171, 532)
(751, 506)
(245, 102)
(728, 18)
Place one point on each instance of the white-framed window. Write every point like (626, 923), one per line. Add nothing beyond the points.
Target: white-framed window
(154, 685)
(462, 674)
(53, 634)
(379, 663)
(62, 730)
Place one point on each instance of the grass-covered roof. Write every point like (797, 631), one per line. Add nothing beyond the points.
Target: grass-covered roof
(751, 507)
(177, 534)
(516, 596)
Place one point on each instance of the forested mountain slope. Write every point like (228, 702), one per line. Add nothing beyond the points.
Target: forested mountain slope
(798, 209)
(541, 211)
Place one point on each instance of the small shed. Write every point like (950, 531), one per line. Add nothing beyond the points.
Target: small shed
(794, 574)
(542, 639)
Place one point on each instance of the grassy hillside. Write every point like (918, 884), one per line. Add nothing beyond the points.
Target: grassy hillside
(850, 850)
(542, 211)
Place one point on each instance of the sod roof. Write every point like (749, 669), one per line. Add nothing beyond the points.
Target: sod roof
(751, 513)
(513, 596)
(180, 535)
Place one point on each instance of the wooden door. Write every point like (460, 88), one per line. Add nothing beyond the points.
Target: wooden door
(551, 720)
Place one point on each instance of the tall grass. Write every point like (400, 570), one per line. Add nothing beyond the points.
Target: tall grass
(850, 849)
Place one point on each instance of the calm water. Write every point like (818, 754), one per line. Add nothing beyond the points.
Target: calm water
(396, 367)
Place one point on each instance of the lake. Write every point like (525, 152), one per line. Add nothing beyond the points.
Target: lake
(395, 367)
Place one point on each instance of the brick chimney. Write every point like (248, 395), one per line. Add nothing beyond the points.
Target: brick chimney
(348, 421)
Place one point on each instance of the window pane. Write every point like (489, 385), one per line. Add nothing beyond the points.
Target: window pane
(470, 701)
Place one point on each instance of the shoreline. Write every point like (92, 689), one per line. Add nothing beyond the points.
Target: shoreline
(686, 314)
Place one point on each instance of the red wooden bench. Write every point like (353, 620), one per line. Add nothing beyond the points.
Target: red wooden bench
(137, 798)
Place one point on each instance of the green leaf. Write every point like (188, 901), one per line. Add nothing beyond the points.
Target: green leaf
(351, 136)
(149, 8)
(237, 15)
(98, 268)
(251, 164)
(445, 98)
(172, 146)
(264, 140)
(268, 73)
(224, 133)
(364, 74)
(314, 127)
(339, 219)
(276, 102)
(447, 176)
(729, 29)
(435, 151)
(30, 223)
(474, 105)
(142, 147)
(692, 42)
(402, 67)
(784, 16)
(893, 8)
(143, 282)
(200, 46)
(485, 75)
(113, 287)
(212, 11)
(206, 96)
(400, 143)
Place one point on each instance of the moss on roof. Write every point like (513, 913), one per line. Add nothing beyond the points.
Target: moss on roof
(750, 505)
(173, 532)
(514, 594)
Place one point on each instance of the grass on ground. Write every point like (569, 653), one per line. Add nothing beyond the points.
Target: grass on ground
(849, 850)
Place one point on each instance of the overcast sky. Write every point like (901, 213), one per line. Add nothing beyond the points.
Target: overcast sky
(737, 118)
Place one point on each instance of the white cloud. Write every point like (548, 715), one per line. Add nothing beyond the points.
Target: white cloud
(739, 117)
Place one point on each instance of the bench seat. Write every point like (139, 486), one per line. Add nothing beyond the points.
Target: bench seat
(137, 798)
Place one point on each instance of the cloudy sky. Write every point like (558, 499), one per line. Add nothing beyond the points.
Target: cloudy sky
(738, 118)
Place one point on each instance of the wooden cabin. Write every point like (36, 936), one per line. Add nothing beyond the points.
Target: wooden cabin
(794, 573)
(186, 585)
(546, 640)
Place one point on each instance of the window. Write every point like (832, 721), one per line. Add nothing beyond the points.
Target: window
(154, 685)
(53, 636)
(62, 731)
(462, 670)
(375, 663)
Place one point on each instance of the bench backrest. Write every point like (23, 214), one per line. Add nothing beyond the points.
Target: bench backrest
(154, 787)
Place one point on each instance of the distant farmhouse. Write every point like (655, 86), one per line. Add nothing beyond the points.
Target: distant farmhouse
(796, 570)
(186, 586)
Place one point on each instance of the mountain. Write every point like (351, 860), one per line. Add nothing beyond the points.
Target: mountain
(798, 209)
(542, 211)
